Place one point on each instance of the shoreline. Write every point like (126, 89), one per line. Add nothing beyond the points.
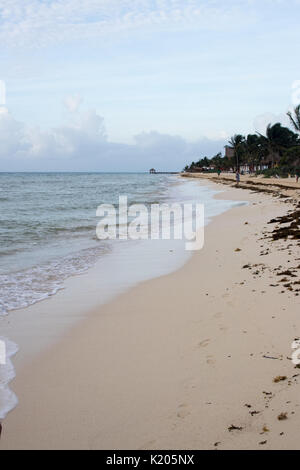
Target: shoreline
(282, 187)
(140, 371)
(60, 311)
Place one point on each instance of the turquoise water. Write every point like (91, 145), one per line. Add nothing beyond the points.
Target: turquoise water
(47, 227)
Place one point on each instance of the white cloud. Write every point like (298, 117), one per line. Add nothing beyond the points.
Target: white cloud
(84, 133)
(12, 135)
(56, 21)
(154, 139)
(81, 144)
(73, 102)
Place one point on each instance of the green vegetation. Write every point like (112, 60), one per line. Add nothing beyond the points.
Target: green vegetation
(280, 171)
(277, 153)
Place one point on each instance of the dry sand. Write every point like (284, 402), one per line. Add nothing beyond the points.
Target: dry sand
(178, 360)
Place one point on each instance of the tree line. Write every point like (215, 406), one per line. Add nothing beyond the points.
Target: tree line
(277, 150)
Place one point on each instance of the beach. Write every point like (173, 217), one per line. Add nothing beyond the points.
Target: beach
(196, 359)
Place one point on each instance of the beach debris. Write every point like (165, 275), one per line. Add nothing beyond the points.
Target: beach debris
(248, 406)
(282, 417)
(247, 266)
(237, 250)
(280, 378)
(265, 429)
(216, 444)
(263, 443)
(293, 230)
(253, 413)
(273, 358)
(234, 428)
(288, 272)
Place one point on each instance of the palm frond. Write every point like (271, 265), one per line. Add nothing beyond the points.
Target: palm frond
(295, 119)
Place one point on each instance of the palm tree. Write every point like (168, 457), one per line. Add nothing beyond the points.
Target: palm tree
(295, 120)
(237, 142)
(253, 150)
(203, 162)
(216, 161)
(277, 139)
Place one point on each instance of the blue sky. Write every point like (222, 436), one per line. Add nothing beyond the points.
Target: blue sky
(119, 84)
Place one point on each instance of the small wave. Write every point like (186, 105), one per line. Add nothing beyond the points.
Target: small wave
(10, 251)
(79, 228)
(23, 288)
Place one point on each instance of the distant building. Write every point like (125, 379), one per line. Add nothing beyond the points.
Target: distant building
(152, 171)
(229, 151)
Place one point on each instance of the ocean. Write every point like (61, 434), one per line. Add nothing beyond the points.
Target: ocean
(47, 227)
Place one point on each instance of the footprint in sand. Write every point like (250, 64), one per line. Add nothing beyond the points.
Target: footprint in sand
(210, 360)
(204, 343)
(225, 296)
(182, 411)
(218, 315)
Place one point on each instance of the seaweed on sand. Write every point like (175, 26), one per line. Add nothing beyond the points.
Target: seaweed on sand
(292, 230)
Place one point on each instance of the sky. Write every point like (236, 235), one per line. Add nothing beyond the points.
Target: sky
(127, 85)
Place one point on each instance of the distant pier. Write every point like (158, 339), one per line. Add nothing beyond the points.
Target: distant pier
(154, 172)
